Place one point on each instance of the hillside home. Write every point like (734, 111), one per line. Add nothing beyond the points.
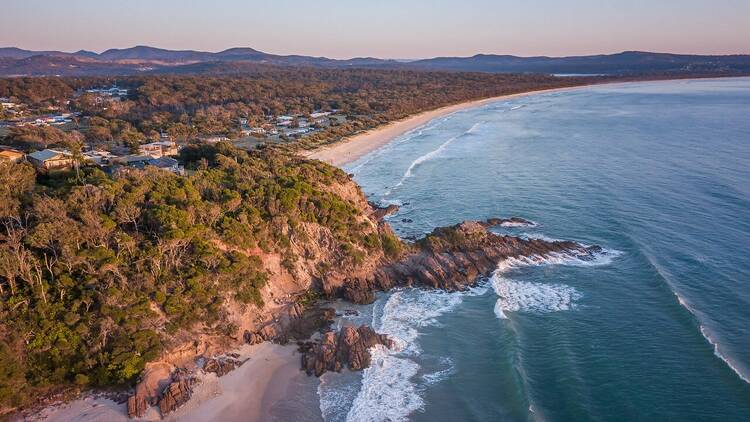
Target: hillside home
(50, 159)
(8, 154)
(159, 149)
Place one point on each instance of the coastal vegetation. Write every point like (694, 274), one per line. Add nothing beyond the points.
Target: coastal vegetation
(100, 274)
(186, 107)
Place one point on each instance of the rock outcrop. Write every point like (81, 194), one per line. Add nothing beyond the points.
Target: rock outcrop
(452, 258)
(381, 212)
(137, 406)
(177, 393)
(222, 365)
(349, 348)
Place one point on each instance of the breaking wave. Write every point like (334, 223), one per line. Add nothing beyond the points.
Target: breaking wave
(533, 297)
(429, 156)
(705, 332)
(390, 389)
(717, 351)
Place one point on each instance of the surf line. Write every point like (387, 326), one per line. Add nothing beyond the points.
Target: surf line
(429, 156)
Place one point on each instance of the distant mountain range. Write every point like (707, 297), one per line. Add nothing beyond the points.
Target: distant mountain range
(143, 59)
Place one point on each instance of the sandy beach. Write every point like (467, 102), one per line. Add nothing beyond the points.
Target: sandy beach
(248, 393)
(357, 146)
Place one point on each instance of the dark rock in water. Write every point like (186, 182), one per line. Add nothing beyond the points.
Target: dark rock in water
(351, 312)
(350, 348)
(381, 212)
(177, 393)
(452, 258)
(407, 220)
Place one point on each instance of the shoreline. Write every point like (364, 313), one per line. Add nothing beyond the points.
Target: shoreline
(357, 146)
(248, 393)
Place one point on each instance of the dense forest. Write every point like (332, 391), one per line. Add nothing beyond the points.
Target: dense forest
(186, 107)
(97, 273)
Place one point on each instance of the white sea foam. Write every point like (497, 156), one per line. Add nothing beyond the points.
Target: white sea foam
(389, 390)
(523, 296)
(711, 339)
(717, 351)
(443, 374)
(513, 224)
(517, 107)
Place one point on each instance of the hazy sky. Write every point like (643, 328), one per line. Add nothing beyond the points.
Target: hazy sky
(382, 28)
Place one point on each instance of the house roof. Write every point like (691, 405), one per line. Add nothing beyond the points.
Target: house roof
(47, 154)
(10, 153)
(163, 162)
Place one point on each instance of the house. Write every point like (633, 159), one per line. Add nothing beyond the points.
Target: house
(51, 159)
(166, 163)
(11, 155)
(319, 114)
(132, 160)
(99, 157)
(214, 139)
(159, 149)
(143, 161)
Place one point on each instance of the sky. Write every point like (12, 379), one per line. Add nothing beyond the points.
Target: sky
(401, 29)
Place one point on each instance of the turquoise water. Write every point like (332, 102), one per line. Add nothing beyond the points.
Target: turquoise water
(658, 173)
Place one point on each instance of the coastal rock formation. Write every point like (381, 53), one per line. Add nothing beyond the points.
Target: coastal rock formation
(381, 212)
(177, 393)
(221, 365)
(300, 325)
(350, 348)
(155, 377)
(452, 258)
(137, 406)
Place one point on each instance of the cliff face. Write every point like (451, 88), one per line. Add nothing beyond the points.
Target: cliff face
(450, 258)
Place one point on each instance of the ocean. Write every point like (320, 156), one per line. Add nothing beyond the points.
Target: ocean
(658, 173)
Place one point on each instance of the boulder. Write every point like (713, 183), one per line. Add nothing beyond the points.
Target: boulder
(349, 348)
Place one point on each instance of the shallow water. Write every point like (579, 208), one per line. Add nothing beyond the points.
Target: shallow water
(659, 174)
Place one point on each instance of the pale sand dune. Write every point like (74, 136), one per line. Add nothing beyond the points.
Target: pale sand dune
(359, 145)
(245, 394)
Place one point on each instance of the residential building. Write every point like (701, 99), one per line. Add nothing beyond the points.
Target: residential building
(159, 149)
(51, 159)
(8, 154)
(214, 139)
(99, 157)
(143, 161)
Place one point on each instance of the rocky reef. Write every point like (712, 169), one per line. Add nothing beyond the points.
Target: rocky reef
(452, 258)
(348, 348)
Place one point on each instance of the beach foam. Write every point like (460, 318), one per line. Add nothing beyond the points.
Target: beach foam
(390, 390)
(523, 296)
(532, 297)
